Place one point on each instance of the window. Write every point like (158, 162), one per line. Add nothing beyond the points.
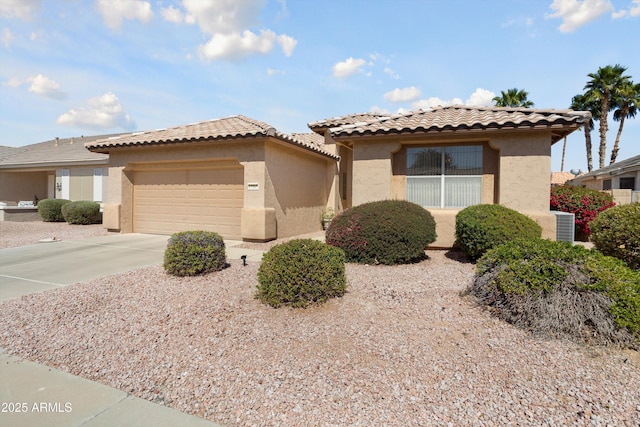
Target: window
(628, 183)
(606, 184)
(444, 177)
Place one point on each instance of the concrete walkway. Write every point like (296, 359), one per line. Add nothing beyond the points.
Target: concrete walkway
(36, 395)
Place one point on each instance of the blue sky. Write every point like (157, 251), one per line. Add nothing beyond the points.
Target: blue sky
(86, 67)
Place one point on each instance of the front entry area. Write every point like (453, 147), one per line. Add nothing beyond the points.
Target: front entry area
(175, 198)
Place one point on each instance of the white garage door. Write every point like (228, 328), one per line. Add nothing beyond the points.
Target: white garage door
(168, 201)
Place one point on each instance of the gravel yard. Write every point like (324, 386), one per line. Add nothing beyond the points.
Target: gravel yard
(401, 348)
(14, 234)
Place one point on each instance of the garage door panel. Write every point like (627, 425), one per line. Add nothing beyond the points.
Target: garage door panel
(169, 201)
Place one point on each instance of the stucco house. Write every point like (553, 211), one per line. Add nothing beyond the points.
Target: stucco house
(622, 179)
(237, 176)
(246, 180)
(59, 168)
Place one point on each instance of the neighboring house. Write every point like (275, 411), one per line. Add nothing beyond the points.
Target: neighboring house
(237, 176)
(622, 179)
(59, 168)
(448, 158)
(244, 179)
(561, 178)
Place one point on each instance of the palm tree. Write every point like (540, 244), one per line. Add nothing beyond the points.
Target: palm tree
(627, 105)
(513, 98)
(582, 103)
(604, 88)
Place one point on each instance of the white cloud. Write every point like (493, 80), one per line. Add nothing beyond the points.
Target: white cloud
(114, 11)
(576, 13)
(635, 10)
(7, 37)
(20, 9)
(224, 16)
(403, 95)
(13, 82)
(391, 73)
(348, 67)
(433, 101)
(100, 113)
(287, 43)
(481, 97)
(237, 46)
(172, 14)
(377, 109)
(273, 72)
(44, 86)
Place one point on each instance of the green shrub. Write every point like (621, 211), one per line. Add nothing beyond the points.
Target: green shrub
(81, 212)
(301, 272)
(482, 227)
(616, 232)
(584, 203)
(384, 232)
(558, 290)
(51, 209)
(190, 253)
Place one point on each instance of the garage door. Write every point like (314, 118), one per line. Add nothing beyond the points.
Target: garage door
(168, 201)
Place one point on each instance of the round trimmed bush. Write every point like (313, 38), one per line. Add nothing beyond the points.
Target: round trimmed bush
(616, 232)
(191, 253)
(482, 227)
(301, 272)
(383, 232)
(81, 212)
(558, 290)
(51, 209)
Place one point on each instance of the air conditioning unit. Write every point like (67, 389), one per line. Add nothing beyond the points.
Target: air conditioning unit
(565, 226)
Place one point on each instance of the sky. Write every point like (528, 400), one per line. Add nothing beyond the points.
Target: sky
(89, 67)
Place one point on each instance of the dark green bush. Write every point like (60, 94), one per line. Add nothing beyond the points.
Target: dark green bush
(384, 232)
(51, 209)
(482, 227)
(301, 272)
(583, 203)
(81, 212)
(558, 290)
(190, 253)
(616, 232)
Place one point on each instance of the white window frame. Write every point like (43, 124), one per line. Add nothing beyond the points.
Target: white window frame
(443, 181)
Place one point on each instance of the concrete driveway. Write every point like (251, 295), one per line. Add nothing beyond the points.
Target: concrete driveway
(37, 268)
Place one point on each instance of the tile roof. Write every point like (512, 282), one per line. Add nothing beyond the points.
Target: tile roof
(344, 120)
(630, 164)
(66, 151)
(466, 118)
(310, 138)
(228, 128)
(7, 151)
(559, 178)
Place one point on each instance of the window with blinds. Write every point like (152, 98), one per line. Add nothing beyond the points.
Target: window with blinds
(444, 177)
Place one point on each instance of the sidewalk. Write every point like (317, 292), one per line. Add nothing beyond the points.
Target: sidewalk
(37, 395)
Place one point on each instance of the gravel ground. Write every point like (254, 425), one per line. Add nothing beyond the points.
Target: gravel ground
(401, 348)
(14, 234)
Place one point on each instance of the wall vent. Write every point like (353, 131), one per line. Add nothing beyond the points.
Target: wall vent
(565, 226)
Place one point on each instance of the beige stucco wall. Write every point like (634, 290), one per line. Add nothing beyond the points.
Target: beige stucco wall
(289, 185)
(16, 186)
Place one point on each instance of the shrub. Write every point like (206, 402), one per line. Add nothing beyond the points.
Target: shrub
(51, 209)
(301, 272)
(584, 203)
(482, 227)
(384, 232)
(616, 232)
(558, 290)
(190, 253)
(81, 212)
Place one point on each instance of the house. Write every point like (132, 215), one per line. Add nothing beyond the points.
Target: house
(622, 179)
(237, 176)
(58, 168)
(246, 180)
(561, 178)
(448, 158)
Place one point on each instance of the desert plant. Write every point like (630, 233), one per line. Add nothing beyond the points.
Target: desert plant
(482, 227)
(81, 212)
(584, 203)
(301, 272)
(616, 232)
(51, 209)
(191, 253)
(383, 232)
(558, 290)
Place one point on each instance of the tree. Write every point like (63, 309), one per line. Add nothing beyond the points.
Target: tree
(582, 103)
(513, 98)
(627, 104)
(603, 88)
